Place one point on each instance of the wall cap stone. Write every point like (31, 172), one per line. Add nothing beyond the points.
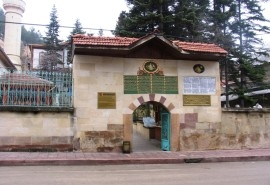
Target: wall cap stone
(245, 110)
(36, 109)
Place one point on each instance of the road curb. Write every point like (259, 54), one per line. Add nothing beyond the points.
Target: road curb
(39, 162)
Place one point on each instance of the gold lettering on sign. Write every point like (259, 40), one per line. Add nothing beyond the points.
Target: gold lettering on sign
(106, 100)
(196, 100)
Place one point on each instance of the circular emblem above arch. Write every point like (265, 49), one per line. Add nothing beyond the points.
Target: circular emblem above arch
(150, 67)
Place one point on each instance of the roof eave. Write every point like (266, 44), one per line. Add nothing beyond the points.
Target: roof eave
(176, 52)
(124, 51)
(107, 51)
(5, 59)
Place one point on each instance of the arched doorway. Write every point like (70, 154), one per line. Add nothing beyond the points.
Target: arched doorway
(167, 104)
(151, 127)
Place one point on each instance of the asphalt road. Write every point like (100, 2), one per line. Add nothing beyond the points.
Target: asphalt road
(236, 173)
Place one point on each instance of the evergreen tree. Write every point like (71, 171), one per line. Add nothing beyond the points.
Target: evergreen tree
(218, 19)
(183, 19)
(247, 25)
(100, 32)
(78, 29)
(231, 24)
(218, 30)
(31, 37)
(190, 19)
(121, 26)
(144, 17)
(52, 57)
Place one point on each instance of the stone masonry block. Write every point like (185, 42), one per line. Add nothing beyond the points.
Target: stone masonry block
(141, 99)
(191, 118)
(106, 134)
(6, 140)
(119, 134)
(162, 100)
(61, 140)
(41, 140)
(171, 106)
(116, 127)
(188, 125)
(127, 120)
(151, 97)
(228, 128)
(91, 134)
(132, 107)
(202, 126)
(22, 140)
(63, 123)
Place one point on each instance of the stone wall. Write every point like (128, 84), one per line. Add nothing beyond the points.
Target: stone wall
(239, 129)
(94, 74)
(36, 131)
(110, 140)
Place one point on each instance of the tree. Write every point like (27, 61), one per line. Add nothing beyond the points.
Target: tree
(52, 57)
(246, 26)
(32, 36)
(174, 18)
(144, 17)
(231, 24)
(190, 18)
(78, 29)
(219, 20)
(100, 32)
(234, 25)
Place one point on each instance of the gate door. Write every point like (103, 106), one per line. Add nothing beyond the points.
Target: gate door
(165, 131)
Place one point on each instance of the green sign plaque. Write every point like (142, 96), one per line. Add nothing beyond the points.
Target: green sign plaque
(145, 84)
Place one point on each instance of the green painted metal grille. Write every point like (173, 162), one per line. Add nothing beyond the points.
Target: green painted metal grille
(146, 84)
(36, 89)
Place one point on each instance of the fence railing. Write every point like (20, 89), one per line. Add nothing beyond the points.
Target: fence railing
(35, 89)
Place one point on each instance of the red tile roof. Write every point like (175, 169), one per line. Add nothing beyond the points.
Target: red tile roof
(103, 41)
(20, 78)
(125, 41)
(199, 47)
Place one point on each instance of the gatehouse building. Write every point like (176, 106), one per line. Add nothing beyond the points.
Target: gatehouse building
(119, 83)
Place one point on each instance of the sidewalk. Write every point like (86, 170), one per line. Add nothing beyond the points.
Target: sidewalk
(152, 157)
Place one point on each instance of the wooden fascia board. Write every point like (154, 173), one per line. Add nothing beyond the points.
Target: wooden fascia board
(93, 48)
(160, 38)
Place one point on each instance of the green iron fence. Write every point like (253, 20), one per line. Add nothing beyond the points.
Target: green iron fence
(35, 89)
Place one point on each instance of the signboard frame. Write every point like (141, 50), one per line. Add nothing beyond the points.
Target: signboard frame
(106, 100)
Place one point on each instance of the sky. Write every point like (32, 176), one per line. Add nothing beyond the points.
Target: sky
(96, 14)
